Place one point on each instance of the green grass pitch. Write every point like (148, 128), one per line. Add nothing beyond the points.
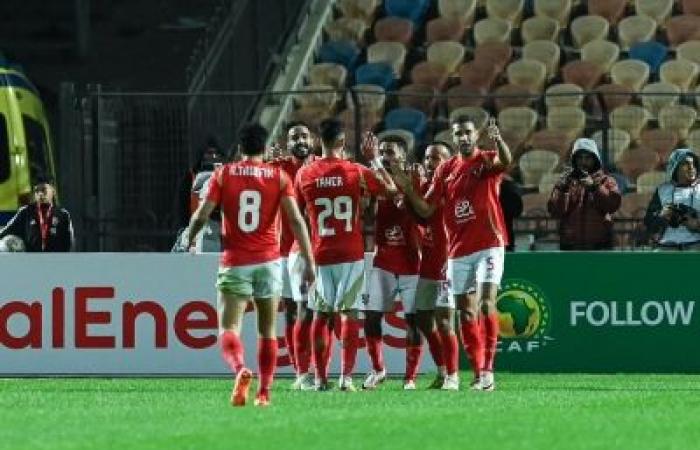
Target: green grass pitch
(526, 412)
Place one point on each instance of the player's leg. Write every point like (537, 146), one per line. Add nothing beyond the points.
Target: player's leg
(445, 319)
(302, 326)
(489, 272)
(350, 341)
(290, 309)
(426, 297)
(351, 286)
(324, 298)
(414, 344)
(381, 292)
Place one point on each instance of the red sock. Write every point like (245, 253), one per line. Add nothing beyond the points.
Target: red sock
(267, 362)
(435, 347)
(350, 333)
(374, 348)
(450, 348)
(320, 344)
(289, 340)
(413, 355)
(490, 340)
(232, 350)
(473, 344)
(302, 346)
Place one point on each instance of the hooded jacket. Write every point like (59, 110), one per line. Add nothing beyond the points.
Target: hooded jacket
(585, 214)
(671, 193)
(26, 226)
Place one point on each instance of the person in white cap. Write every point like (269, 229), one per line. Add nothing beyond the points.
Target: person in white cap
(584, 200)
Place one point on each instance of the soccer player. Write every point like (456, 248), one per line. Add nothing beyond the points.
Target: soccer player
(251, 194)
(298, 316)
(331, 188)
(468, 184)
(394, 273)
(432, 302)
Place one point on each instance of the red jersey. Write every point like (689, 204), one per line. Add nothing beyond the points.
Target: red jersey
(287, 241)
(397, 236)
(249, 194)
(434, 249)
(330, 189)
(472, 211)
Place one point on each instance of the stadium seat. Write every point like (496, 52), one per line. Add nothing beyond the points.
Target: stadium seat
(510, 95)
(563, 94)
(406, 136)
(509, 10)
(585, 29)
(478, 75)
(681, 29)
(408, 119)
(630, 118)
(618, 141)
(527, 73)
(414, 10)
(478, 115)
(547, 182)
(634, 29)
(611, 10)
(323, 102)
(690, 7)
(449, 54)
(634, 205)
(518, 120)
(657, 95)
(459, 96)
(652, 53)
(328, 73)
(492, 30)
(658, 10)
(496, 53)
(344, 53)
(693, 141)
(662, 141)
(555, 141)
(677, 118)
(371, 98)
(630, 73)
(567, 119)
(444, 29)
(680, 73)
(535, 204)
(601, 53)
(360, 9)
(635, 161)
(418, 96)
(392, 53)
(534, 165)
(690, 51)
(539, 28)
(380, 74)
(614, 95)
(582, 73)
(347, 29)
(558, 10)
(458, 9)
(647, 182)
(546, 52)
(368, 122)
(394, 29)
(430, 74)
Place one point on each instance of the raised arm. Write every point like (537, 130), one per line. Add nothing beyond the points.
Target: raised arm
(421, 205)
(505, 158)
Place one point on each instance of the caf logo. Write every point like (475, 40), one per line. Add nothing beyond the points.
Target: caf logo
(523, 310)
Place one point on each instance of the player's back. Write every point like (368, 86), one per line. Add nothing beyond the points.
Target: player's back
(249, 193)
(330, 189)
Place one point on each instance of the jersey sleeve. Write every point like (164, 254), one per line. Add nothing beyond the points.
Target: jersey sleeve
(436, 190)
(371, 183)
(490, 167)
(214, 190)
(298, 193)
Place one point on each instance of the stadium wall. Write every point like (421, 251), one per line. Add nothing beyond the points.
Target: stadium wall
(154, 314)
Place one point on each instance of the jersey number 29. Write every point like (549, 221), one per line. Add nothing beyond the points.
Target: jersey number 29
(340, 208)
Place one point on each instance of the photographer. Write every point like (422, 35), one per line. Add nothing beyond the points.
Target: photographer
(673, 211)
(584, 200)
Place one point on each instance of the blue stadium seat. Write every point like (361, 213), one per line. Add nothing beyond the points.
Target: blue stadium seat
(344, 53)
(652, 53)
(414, 10)
(379, 74)
(408, 119)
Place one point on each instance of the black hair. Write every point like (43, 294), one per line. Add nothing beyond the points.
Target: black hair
(331, 131)
(447, 145)
(298, 123)
(396, 140)
(462, 118)
(252, 139)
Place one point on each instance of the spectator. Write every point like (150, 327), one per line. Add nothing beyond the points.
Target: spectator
(512, 206)
(42, 226)
(584, 200)
(210, 154)
(672, 214)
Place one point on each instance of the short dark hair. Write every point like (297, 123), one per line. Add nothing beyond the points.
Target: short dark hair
(462, 118)
(298, 123)
(447, 145)
(331, 131)
(392, 138)
(252, 139)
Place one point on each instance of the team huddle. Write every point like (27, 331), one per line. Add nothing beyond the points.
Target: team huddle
(437, 246)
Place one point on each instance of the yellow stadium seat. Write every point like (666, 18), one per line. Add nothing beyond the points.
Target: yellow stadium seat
(459, 9)
(634, 29)
(546, 52)
(690, 51)
(630, 73)
(518, 120)
(630, 118)
(347, 28)
(618, 142)
(658, 10)
(535, 164)
(478, 115)
(359, 9)
(547, 182)
(328, 73)
(666, 94)
(647, 182)
(558, 10)
(563, 94)
(585, 29)
(392, 53)
(372, 98)
(602, 53)
(527, 73)
(693, 141)
(567, 119)
(321, 101)
(677, 118)
(492, 29)
(509, 10)
(509, 95)
(448, 53)
(406, 136)
(539, 28)
(679, 72)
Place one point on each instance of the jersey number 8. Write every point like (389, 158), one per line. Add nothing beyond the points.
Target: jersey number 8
(249, 211)
(340, 208)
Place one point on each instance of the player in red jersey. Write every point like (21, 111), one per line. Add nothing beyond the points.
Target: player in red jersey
(394, 273)
(331, 188)
(468, 187)
(251, 193)
(433, 305)
(298, 316)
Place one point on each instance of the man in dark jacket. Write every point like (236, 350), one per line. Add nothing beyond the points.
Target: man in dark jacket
(584, 200)
(42, 226)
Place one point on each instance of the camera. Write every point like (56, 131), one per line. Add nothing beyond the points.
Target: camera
(680, 213)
